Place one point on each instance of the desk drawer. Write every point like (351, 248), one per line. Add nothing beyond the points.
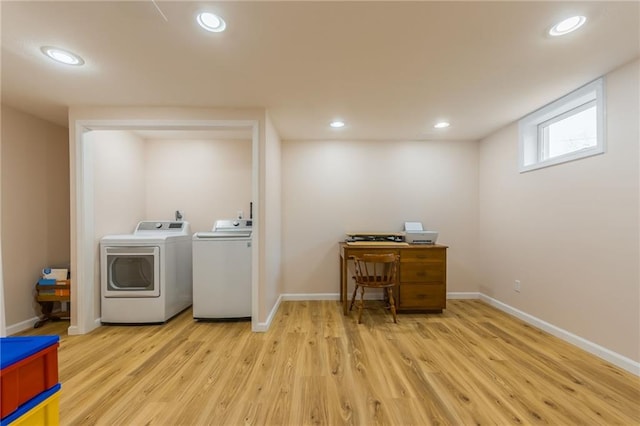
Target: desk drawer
(435, 254)
(423, 296)
(422, 272)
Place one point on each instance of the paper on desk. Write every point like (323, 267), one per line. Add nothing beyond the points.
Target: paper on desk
(413, 226)
(56, 274)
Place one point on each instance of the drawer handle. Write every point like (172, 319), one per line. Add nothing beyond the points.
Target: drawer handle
(421, 274)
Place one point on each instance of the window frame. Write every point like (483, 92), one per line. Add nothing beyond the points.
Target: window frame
(531, 140)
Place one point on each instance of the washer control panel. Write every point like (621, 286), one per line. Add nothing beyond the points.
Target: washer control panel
(232, 225)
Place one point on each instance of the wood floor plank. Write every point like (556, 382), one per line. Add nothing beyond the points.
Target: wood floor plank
(472, 364)
(587, 395)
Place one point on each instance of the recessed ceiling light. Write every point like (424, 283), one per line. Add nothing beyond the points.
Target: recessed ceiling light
(62, 56)
(337, 124)
(567, 26)
(441, 125)
(211, 22)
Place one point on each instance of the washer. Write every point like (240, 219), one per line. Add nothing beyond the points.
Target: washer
(222, 271)
(146, 277)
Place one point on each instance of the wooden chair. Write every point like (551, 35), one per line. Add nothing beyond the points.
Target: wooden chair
(375, 271)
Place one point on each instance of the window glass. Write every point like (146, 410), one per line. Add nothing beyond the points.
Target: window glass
(567, 129)
(573, 132)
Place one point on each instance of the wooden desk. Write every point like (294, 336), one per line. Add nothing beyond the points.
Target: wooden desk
(422, 276)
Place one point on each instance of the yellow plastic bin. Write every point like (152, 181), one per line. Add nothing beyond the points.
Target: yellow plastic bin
(43, 410)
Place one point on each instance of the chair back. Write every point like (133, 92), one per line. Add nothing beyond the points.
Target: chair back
(376, 270)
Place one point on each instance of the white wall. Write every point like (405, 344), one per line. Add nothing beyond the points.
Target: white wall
(570, 232)
(35, 210)
(207, 179)
(273, 218)
(119, 181)
(119, 188)
(333, 187)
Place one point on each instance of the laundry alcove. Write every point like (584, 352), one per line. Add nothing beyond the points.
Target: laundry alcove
(87, 207)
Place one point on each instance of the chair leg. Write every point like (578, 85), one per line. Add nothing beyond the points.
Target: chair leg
(361, 305)
(392, 304)
(353, 298)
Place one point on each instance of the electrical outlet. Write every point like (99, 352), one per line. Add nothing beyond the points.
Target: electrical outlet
(516, 286)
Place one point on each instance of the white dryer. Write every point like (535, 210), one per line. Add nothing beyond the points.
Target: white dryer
(146, 277)
(222, 271)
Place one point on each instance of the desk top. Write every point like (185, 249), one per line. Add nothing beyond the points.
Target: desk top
(389, 244)
(375, 243)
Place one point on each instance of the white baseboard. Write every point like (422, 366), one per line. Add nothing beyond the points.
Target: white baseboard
(467, 295)
(367, 296)
(21, 326)
(584, 344)
(310, 296)
(376, 295)
(262, 327)
(75, 331)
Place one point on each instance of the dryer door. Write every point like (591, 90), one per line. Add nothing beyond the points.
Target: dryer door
(130, 271)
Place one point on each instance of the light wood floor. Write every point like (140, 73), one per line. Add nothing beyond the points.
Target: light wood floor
(470, 365)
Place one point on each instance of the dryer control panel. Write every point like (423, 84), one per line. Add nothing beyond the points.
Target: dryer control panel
(162, 226)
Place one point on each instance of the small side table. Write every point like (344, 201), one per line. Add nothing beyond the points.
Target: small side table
(48, 295)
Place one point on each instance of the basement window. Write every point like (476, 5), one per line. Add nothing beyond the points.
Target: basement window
(567, 129)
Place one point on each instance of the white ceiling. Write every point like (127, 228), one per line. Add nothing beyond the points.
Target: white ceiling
(389, 69)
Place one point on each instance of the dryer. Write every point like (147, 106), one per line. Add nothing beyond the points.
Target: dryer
(222, 271)
(146, 277)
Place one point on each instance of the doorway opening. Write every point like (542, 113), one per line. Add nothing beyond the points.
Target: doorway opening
(85, 302)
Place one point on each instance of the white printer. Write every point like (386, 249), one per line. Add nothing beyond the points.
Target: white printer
(415, 234)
